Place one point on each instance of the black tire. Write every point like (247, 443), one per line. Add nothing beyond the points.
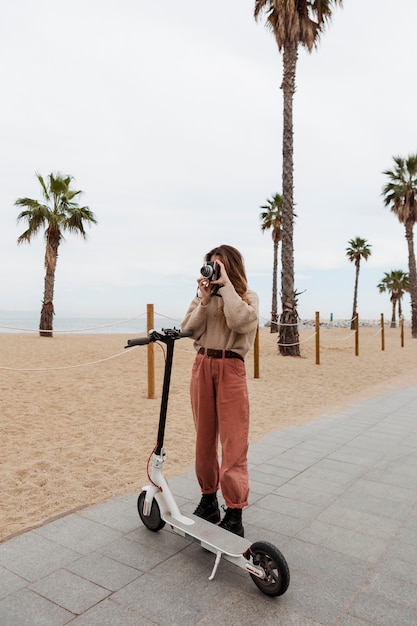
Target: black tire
(275, 566)
(153, 521)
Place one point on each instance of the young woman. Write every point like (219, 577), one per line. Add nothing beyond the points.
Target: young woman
(224, 320)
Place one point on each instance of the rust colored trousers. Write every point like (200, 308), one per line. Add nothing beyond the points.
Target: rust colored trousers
(220, 405)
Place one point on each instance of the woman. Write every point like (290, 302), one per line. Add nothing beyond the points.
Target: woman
(224, 320)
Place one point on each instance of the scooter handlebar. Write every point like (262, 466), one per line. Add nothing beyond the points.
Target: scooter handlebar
(154, 335)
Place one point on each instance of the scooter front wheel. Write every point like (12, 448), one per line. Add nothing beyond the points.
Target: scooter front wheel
(277, 573)
(153, 521)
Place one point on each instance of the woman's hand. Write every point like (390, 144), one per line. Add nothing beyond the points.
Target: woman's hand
(223, 279)
(204, 286)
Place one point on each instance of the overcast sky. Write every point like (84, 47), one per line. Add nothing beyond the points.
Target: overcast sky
(169, 117)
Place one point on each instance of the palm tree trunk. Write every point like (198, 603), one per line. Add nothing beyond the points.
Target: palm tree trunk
(412, 276)
(47, 312)
(394, 306)
(274, 307)
(289, 344)
(355, 296)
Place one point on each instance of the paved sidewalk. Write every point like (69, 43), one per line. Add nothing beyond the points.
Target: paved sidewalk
(337, 496)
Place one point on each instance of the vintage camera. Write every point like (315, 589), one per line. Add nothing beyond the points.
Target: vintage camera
(210, 270)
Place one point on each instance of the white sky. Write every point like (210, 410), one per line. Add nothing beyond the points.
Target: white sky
(169, 117)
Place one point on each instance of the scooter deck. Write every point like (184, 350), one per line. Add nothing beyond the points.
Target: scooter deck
(210, 535)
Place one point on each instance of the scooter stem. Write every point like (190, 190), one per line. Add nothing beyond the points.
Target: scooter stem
(165, 394)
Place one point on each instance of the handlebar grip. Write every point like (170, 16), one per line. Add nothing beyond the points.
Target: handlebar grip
(167, 333)
(139, 341)
(186, 333)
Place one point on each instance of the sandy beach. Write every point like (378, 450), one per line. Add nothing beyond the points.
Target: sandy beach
(77, 426)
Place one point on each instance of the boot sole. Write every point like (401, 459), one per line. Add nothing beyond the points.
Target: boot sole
(214, 518)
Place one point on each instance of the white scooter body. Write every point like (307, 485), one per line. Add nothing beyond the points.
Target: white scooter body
(210, 536)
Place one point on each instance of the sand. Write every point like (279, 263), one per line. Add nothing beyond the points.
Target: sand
(77, 427)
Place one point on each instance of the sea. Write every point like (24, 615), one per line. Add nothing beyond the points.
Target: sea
(28, 322)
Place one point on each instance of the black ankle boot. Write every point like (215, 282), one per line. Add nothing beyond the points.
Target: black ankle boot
(232, 522)
(208, 508)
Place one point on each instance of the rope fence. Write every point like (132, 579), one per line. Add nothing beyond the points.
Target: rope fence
(150, 325)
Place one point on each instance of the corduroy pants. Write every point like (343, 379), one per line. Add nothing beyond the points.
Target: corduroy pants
(220, 405)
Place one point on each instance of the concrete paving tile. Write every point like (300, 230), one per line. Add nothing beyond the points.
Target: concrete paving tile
(259, 453)
(269, 475)
(316, 481)
(398, 591)
(273, 465)
(376, 610)
(392, 478)
(252, 608)
(70, 591)
(32, 556)
(318, 495)
(133, 554)
(322, 562)
(103, 571)
(27, 608)
(258, 487)
(10, 582)
(376, 489)
(316, 598)
(358, 545)
(78, 533)
(301, 510)
(349, 620)
(356, 456)
(273, 520)
(321, 474)
(399, 568)
(402, 550)
(108, 613)
(113, 513)
(165, 603)
(376, 505)
(366, 523)
(254, 533)
(296, 462)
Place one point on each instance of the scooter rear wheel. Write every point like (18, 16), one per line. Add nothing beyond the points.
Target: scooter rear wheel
(272, 561)
(153, 521)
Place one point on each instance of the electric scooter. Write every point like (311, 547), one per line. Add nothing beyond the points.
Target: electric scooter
(157, 507)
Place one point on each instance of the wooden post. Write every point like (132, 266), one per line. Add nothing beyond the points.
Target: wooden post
(151, 361)
(382, 332)
(402, 331)
(357, 334)
(256, 355)
(317, 338)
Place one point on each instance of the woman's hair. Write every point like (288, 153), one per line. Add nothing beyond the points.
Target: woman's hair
(234, 266)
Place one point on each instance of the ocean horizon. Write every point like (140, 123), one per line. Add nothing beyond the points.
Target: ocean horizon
(28, 322)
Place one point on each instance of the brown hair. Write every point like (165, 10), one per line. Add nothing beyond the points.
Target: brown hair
(234, 266)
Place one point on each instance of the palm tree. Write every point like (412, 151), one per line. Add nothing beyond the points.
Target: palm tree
(400, 195)
(271, 219)
(293, 23)
(59, 213)
(358, 249)
(396, 283)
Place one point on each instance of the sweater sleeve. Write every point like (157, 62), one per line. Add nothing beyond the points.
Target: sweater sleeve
(240, 316)
(195, 318)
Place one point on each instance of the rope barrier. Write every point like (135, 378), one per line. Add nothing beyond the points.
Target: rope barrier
(62, 367)
(191, 350)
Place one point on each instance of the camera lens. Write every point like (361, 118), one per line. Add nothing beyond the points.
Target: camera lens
(207, 271)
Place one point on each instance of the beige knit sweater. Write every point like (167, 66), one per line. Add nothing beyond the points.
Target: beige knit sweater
(226, 323)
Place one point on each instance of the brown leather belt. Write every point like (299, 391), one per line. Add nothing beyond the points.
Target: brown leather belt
(220, 354)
